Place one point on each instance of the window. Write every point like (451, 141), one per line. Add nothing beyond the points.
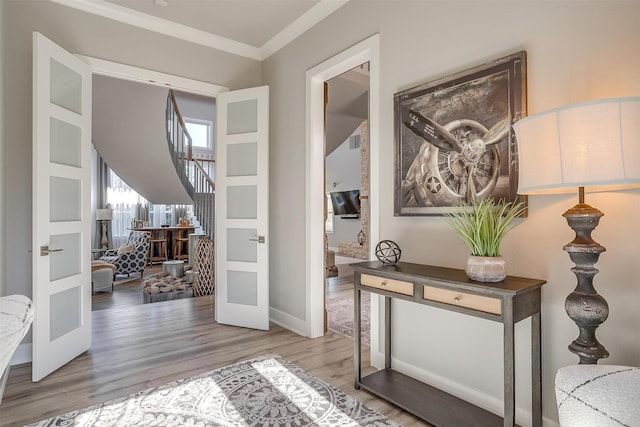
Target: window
(328, 225)
(201, 132)
(125, 203)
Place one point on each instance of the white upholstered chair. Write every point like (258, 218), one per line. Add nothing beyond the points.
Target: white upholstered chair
(16, 315)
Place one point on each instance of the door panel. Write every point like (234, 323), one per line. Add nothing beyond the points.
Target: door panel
(67, 262)
(240, 245)
(242, 202)
(65, 199)
(243, 287)
(65, 143)
(61, 207)
(242, 209)
(65, 86)
(66, 315)
(242, 159)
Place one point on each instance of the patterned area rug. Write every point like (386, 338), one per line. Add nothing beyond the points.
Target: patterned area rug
(266, 391)
(340, 316)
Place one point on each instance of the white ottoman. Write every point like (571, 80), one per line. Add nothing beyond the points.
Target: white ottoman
(598, 395)
(102, 274)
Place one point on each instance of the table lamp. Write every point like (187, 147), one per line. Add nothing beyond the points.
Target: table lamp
(104, 215)
(594, 146)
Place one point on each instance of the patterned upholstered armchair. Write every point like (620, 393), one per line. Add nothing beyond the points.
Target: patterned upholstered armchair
(132, 256)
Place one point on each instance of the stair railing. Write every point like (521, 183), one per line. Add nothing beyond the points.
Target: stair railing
(195, 177)
(179, 141)
(204, 202)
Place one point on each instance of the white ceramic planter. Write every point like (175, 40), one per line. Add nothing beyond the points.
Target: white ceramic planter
(486, 269)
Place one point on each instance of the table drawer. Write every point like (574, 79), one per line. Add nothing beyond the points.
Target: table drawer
(461, 299)
(390, 285)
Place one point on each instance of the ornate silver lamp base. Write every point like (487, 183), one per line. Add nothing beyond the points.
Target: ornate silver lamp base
(104, 240)
(584, 305)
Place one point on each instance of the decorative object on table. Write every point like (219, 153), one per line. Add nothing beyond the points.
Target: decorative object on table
(104, 216)
(593, 145)
(482, 226)
(267, 390)
(454, 141)
(388, 252)
(361, 238)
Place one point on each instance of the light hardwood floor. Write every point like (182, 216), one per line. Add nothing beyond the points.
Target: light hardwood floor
(126, 291)
(141, 346)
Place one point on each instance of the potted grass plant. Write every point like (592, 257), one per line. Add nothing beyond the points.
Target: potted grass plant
(482, 226)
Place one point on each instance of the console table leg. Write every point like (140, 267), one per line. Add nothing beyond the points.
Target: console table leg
(509, 365)
(536, 370)
(387, 333)
(357, 336)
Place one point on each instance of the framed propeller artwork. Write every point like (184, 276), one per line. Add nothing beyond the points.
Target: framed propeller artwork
(454, 138)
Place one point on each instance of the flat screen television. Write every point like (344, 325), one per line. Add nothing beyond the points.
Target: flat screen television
(346, 203)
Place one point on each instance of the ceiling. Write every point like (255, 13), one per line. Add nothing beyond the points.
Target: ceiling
(252, 28)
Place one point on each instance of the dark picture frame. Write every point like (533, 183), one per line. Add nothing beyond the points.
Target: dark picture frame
(454, 138)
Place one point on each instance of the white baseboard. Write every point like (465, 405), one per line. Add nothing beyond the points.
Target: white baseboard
(288, 321)
(21, 355)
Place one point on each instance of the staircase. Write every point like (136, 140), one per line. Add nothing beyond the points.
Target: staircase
(195, 174)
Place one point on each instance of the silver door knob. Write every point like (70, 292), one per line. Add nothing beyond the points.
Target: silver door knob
(260, 239)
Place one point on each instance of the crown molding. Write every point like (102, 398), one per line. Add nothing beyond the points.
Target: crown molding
(162, 26)
(298, 27)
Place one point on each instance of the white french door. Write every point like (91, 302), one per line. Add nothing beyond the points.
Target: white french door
(61, 206)
(242, 208)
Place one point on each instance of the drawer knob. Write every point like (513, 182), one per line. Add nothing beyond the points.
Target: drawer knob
(456, 300)
(384, 283)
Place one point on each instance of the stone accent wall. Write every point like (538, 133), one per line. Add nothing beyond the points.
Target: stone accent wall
(354, 249)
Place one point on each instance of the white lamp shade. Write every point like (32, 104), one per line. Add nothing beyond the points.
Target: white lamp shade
(595, 145)
(104, 214)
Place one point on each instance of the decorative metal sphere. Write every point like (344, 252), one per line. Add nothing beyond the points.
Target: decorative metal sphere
(388, 252)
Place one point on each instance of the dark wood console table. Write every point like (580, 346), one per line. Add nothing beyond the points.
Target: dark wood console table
(507, 302)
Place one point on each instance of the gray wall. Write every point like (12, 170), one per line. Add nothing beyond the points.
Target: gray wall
(577, 51)
(84, 34)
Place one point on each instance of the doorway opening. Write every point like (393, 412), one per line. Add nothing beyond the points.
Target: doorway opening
(195, 100)
(363, 52)
(347, 190)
